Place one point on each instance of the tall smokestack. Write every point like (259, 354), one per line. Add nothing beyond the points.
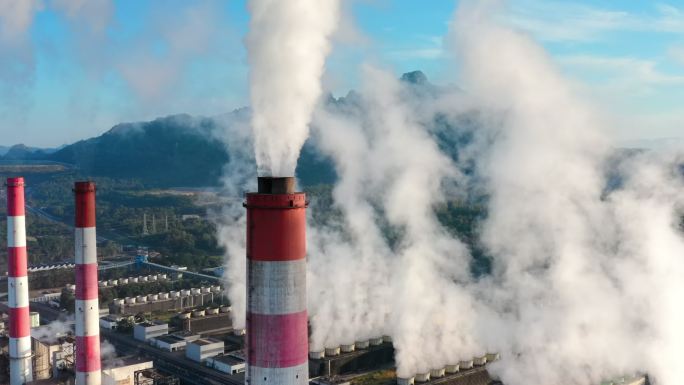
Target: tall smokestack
(87, 308)
(17, 285)
(277, 335)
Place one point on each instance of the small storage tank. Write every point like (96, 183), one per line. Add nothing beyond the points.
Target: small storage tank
(480, 360)
(437, 373)
(347, 348)
(174, 294)
(118, 301)
(317, 355)
(152, 277)
(467, 364)
(376, 342)
(491, 357)
(143, 279)
(153, 297)
(134, 279)
(163, 295)
(389, 339)
(141, 299)
(198, 313)
(332, 352)
(130, 300)
(225, 309)
(213, 310)
(406, 380)
(184, 315)
(362, 344)
(161, 276)
(204, 290)
(113, 282)
(123, 281)
(423, 377)
(185, 292)
(194, 291)
(451, 369)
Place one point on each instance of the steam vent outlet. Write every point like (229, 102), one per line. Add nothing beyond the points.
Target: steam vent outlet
(276, 185)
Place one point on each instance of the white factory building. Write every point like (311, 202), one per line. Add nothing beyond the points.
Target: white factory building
(226, 364)
(204, 348)
(123, 374)
(146, 330)
(172, 342)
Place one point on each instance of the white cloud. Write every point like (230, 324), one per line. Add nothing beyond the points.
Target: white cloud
(623, 70)
(677, 54)
(573, 21)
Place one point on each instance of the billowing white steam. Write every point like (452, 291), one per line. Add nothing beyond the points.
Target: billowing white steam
(287, 44)
(586, 281)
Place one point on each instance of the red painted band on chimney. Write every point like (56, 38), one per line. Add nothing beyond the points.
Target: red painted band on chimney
(87, 353)
(86, 281)
(17, 262)
(281, 341)
(85, 204)
(279, 236)
(19, 322)
(15, 197)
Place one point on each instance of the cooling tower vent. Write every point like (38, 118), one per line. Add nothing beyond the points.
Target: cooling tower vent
(491, 357)
(184, 315)
(377, 341)
(317, 355)
(406, 380)
(123, 281)
(362, 344)
(451, 369)
(347, 348)
(437, 373)
(332, 352)
(225, 309)
(467, 364)
(387, 339)
(480, 360)
(214, 310)
(423, 377)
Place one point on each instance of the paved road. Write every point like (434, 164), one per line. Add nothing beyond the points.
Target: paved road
(188, 371)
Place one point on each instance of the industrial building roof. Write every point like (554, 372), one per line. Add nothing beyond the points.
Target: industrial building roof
(227, 359)
(206, 341)
(170, 339)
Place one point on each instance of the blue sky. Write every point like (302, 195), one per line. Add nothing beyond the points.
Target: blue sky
(71, 69)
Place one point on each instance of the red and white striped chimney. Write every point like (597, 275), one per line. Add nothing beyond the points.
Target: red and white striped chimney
(21, 370)
(277, 333)
(87, 308)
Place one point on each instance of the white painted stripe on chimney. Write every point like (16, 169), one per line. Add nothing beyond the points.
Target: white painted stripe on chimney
(277, 287)
(16, 231)
(87, 317)
(21, 347)
(86, 245)
(294, 375)
(18, 291)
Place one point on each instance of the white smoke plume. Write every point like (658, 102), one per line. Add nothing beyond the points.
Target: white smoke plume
(580, 290)
(52, 331)
(287, 44)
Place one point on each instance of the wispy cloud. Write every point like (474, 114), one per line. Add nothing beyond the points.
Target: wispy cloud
(573, 21)
(632, 70)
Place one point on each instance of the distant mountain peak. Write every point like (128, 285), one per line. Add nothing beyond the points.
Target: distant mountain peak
(414, 77)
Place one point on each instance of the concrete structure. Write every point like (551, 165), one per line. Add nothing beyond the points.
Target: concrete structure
(214, 323)
(406, 380)
(52, 355)
(203, 348)
(170, 343)
(146, 330)
(87, 313)
(277, 336)
(35, 319)
(124, 374)
(226, 364)
(110, 322)
(17, 285)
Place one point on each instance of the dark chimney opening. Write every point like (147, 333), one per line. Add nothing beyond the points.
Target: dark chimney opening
(276, 185)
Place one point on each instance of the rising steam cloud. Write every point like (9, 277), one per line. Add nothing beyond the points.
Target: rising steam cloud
(586, 276)
(287, 44)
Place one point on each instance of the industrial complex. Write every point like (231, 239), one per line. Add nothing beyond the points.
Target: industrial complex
(186, 336)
